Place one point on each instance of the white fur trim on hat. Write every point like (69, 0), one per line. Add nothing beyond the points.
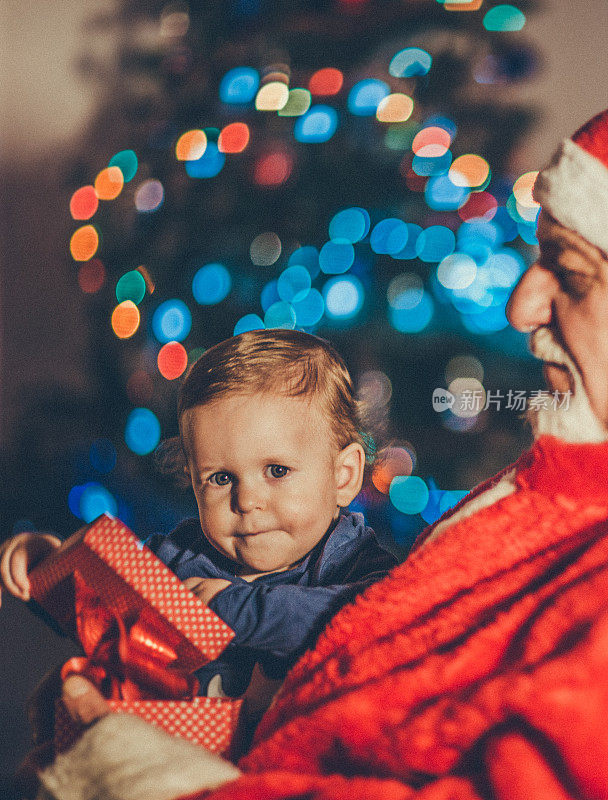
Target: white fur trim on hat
(573, 188)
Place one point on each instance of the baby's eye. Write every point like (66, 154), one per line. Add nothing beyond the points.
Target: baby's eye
(278, 471)
(220, 478)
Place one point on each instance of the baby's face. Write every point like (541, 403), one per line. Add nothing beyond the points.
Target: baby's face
(266, 475)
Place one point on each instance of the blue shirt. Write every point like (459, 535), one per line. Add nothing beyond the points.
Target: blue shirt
(278, 616)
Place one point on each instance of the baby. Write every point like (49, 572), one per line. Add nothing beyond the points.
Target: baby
(271, 441)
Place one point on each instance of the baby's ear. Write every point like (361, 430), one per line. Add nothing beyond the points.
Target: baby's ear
(350, 464)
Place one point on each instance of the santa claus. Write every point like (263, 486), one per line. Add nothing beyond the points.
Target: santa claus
(479, 667)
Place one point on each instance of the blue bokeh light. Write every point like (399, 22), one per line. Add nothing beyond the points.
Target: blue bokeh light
(142, 431)
(409, 251)
(211, 284)
(294, 283)
(310, 310)
(409, 494)
(389, 236)
(94, 500)
(336, 257)
(424, 166)
(239, 85)
(102, 455)
(250, 322)
(412, 318)
(344, 297)
(317, 125)
(351, 224)
(435, 243)
(208, 165)
(172, 321)
(308, 257)
(410, 62)
(269, 295)
(442, 195)
(280, 315)
(364, 97)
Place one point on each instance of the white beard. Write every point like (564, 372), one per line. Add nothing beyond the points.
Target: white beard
(573, 421)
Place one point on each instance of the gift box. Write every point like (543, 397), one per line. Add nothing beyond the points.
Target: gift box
(143, 633)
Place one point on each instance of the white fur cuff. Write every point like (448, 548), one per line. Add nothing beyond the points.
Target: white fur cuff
(573, 188)
(121, 757)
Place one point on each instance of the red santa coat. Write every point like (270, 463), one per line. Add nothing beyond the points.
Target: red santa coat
(476, 669)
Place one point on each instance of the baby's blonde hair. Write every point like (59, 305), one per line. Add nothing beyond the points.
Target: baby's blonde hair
(287, 362)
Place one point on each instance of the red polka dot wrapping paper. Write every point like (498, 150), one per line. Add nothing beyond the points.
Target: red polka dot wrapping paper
(207, 721)
(128, 577)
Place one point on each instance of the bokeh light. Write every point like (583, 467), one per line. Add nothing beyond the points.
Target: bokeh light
(84, 203)
(310, 310)
(102, 455)
(413, 234)
(464, 366)
(436, 165)
(234, 138)
(280, 315)
(457, 271)
(409, 494)
(209, 164)
(435, 243)
(273, 169)
(366, 95)
(395, 461)
(250, 322)
(272, 96)
(326, 82)
(91, 276)
(522, 189)
(127, 163)
(351, 224)
(149, 195)
(470, 170)
(293, 284)
(298, 103)
(504, 18)
(142, 431)
(109, 183)
(211, 284)
(470, 396)
(308, 257)
(318, 125)
(336, 256)
(191, 145)
(172, 320)
(431, 142)
(84, 243)
(90, 500)
(389, 236)
(410, 62)
(395, 108)
(172, 360)
(131, 286)
(239, 85)
(408, 316)
(343, 297)
(405, 290)
(442, 195)
(374, 389)
(125, 319)
(265, 249)
(482, 205)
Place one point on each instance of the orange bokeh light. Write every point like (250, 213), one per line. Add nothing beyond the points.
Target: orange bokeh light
(469, 170)
(92, 276)
(234, 138)
(109, 183)
(125, 319)
(397, 462)
(84, 203)
(522, 189)
(191, 145)
(84, 243)
(172, 360)
(326, 81)
(431, 142)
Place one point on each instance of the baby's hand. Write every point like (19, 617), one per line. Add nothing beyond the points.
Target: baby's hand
(205, 588)
(18, 555)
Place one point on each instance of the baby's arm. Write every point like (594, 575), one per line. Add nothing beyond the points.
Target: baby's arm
(18, 555)
(206, 588)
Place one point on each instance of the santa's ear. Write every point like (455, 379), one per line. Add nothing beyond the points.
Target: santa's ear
(350, 463)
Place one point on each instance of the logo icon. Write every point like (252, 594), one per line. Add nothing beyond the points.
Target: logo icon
(442, 399)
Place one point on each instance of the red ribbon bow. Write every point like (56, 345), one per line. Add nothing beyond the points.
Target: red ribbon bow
(127, 659)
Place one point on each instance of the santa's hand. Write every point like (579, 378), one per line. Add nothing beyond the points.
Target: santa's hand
(122, 757)
(18, 555)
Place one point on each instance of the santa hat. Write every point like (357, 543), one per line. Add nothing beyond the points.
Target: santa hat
(573, 187)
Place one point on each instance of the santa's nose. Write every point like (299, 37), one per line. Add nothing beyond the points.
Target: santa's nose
(530, 304)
